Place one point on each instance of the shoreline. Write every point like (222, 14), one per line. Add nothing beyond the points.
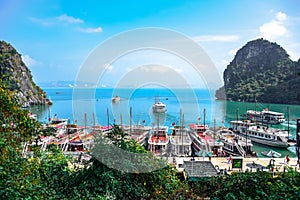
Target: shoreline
(248, 164)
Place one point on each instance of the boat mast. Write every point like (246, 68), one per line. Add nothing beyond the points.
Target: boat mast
(49, 114)
(214, 130)
(130, 117)
(85, 121)
(182, 134)
(288, 118)
(94, 123)
(204, 117)
(121, 121)
(107, 118)
(180, 128)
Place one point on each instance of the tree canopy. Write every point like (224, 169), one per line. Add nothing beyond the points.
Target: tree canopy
(52, 175)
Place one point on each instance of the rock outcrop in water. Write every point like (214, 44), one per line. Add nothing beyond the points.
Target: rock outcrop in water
(261, 71)
(17, 77)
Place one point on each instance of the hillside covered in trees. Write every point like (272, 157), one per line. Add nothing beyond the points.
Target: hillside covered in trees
(261, 71)
(51, 175)
(16, 76)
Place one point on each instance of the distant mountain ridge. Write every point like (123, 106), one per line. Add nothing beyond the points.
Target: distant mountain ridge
(261, 71)
(16, 76)
(66, 84)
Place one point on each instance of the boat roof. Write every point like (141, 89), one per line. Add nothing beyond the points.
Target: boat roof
(160, 127)
(198, 126)
(248, 122)
(272, 112)
(263, 112)
(159, 103)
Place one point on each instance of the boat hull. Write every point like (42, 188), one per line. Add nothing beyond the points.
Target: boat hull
(270, 143)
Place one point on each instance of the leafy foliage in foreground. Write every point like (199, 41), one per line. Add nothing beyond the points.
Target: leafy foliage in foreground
(98, 179)
(51, 175)
(24, 177)
(259, 185)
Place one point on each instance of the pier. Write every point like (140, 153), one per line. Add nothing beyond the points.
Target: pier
(239, 164)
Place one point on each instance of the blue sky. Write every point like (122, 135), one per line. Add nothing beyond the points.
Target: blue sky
(55, 37)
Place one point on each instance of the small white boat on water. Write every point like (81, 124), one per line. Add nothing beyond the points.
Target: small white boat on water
(158, 106)
(265, 116)
(271, 154)
(116, 99)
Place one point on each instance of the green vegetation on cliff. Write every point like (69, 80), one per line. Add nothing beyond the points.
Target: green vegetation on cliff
(17, 77)
(51, 175)
(262, 71)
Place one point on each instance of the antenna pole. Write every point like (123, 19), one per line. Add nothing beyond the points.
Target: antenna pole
(204, 117)
(130, 116)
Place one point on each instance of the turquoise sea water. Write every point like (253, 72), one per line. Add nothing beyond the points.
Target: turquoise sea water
(94, 106)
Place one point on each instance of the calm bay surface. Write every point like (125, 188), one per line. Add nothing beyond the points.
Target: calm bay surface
(94, 107)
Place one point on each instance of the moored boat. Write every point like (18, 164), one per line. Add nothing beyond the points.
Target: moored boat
(138, 133)
(201, 134)
(198, 145)
(261, 134)
(58, 122)
(158, 140)
(158, 106)
(116, 99)
(180, 141)
(265, 116)
(234, 144)
(271, 154)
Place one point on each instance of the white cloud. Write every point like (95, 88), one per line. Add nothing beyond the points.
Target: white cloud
(293, 50)
(69, 19)
(216, 38)
(232, 52)
(91, 30)
(57, 20)
(280, 16)
(178, 70)
(128, 69)
(154, 68)
(108, 67)
(275, 28)
(224, 62)
(28, 60)
(65, 19)
(43, 22)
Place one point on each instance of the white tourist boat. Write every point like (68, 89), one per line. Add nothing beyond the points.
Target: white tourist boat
(201, 135)
(234, 144)
(197, 144)
(261, 134)
(158, 140)
(138, 133)
(116, 99)
(265, 116)
(181, 143)
(58, 122)
(158, 106)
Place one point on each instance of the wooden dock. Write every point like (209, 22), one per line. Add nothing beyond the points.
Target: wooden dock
(244, 164)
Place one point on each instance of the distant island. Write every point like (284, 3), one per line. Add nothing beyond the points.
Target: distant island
(261, 71)
(16, 77)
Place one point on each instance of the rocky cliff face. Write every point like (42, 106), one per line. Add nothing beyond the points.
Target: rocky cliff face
(17, 77)
(262, 71)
